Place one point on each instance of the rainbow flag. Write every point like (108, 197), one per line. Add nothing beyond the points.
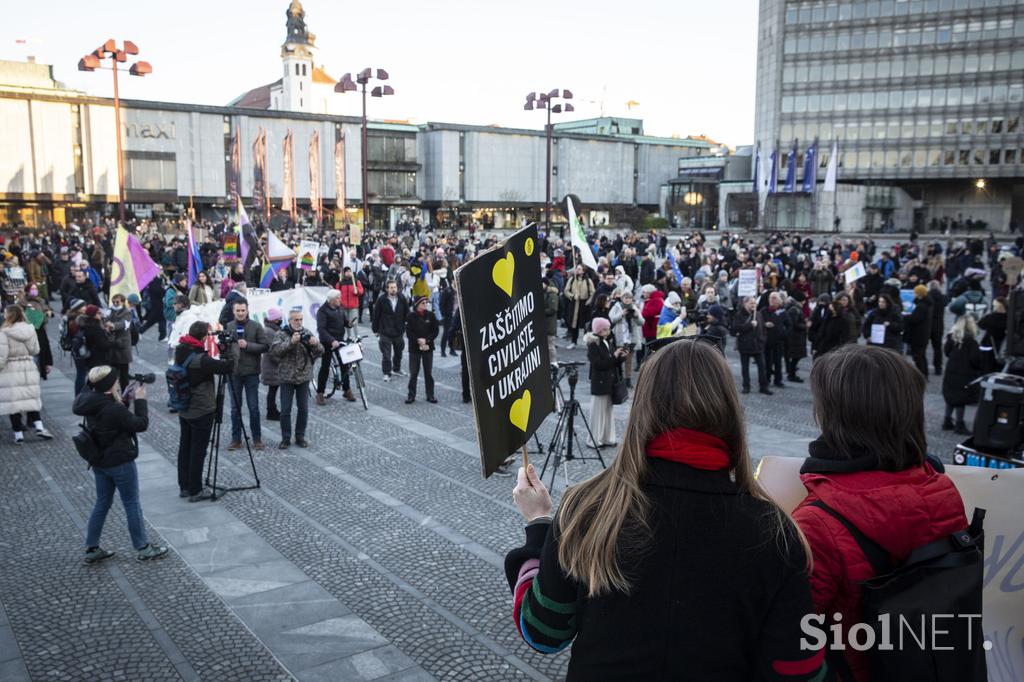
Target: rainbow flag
(279, 257)
(231, 248)
(132, 268)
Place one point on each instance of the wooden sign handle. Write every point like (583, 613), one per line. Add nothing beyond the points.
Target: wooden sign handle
(526, 456)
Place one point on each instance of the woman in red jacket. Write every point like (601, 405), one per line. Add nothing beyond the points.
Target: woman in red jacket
(869, 465)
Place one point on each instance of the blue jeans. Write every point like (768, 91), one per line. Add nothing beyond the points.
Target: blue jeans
(301, 393)
(125, 479)
(250, 383)
(81, 371)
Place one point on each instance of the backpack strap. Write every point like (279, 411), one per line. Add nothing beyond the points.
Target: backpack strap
(189, 359)
(876, 555)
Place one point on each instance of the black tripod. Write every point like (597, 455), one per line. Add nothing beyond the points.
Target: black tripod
(213, 456)
(565, 436)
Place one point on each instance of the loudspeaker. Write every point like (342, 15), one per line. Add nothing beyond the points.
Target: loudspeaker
(997, 424)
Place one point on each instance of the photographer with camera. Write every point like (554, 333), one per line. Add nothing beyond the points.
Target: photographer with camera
(251, 339)
(332, 325)
(295, 349)
(197, 396)
(627, 322)
(112, 427)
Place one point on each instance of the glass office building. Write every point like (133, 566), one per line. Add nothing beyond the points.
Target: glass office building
(926, 99)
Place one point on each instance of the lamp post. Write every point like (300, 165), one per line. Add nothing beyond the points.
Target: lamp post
(542, 100)
(346, 84)
(91, 62)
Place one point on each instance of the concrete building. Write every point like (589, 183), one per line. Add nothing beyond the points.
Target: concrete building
(925, 98)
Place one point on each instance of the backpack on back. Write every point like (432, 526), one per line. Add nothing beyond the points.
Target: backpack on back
(179, 389)
(79, 349)
(939, 584)
(64, 337)
(86, 445)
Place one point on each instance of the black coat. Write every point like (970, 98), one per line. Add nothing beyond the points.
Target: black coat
(604, 366)
(938, 301)
(994, 326)
(750, 338)
(388, 322)
(893, 332)
(776, 334)
(964, 364)
(833, 332)
(917, 329)
(331, 324)
(98, 341)
(417, 327)
(113, 425)
(796, 335)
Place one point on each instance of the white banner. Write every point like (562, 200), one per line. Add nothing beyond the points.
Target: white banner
(309, 251)
(855, 273)
(747, 285)
(998, 491)
(308, 299)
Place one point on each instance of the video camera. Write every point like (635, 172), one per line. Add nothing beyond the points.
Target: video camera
(149, 378)
(225, 338)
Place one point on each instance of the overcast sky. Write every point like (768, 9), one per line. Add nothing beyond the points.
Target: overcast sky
(690, 65)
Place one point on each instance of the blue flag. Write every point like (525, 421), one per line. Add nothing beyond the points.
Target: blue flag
(811, 168)
(790, 184)
(757, 165)
(773, 171)
(675, 268)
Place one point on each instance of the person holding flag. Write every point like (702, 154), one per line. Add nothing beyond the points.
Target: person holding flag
(279, 258)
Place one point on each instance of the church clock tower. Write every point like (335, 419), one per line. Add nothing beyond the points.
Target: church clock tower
(297, 59)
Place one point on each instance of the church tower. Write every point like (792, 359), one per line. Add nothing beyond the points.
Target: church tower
(297, 59)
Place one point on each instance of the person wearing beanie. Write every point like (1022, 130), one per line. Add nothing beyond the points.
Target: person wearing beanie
(917, 328)
(97, 340)
(113, 428)
(421, 329)
(715, 328)
(605, 359)
(269, 374)
(196, 421)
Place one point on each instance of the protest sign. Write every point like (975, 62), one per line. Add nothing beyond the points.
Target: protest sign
(355, 233)
(308, 252)
(747, 285)
(878, 334)
(308, 299)
(855, 273)
(502, 304)
(997, 492)
(907, 299)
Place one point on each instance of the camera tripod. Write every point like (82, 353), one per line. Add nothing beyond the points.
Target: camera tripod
(213, 455)
(565, 436)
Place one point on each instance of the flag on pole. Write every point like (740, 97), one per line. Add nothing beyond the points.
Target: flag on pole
(790, 184)
(195, 260)
(235, 169)
(579, 237)
(675, 267)
(339, 171)
(132, 268)
(810, 183)
(288, 189)
(833, 168)
(773, 170)
(246, 238)
(279, 257)
(259, 171)
(315, 195)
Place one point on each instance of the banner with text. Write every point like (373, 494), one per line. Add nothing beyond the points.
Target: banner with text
(502, 304)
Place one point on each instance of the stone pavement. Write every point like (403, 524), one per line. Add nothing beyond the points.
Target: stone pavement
(375, 554)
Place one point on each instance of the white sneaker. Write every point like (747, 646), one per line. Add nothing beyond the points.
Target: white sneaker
(19, 437)
(44, 434)
(387, 378)
(570, 346)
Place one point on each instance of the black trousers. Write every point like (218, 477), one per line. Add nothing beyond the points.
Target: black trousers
(446, 336)
(272, 400)
(192, 446)
(937, 353)
(920, 361)
(791, 367)
(762, 379)
(30, 417)
(416, 358)
(466, 397)
(773, 362)
(391, 348)
(325, 372)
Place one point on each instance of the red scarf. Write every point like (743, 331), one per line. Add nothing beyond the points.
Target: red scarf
(190, 340)
(693, 448)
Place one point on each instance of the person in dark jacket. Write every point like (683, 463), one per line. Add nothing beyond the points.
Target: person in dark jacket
(938, 302)
(227, 311)
(604, 358)
(332, 326)
(446, 303)
(196, 421)
(796, 335)
(81, 287)
(833, 330)
(889, 316)
(748, 326)
(819, 314)
(97, 339)
(776, 324)
(994, 325)
(251, 341)
(119, 324)
(269, 374)
(870, 466)
(966, 363)
(917, 328)
(459, 344)
(673, 563)
(113, 428)
(388, 323)
(421, 329)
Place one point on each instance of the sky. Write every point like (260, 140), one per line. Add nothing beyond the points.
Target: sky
(690, 64)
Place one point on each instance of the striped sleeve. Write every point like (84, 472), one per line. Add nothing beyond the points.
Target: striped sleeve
(544, 598)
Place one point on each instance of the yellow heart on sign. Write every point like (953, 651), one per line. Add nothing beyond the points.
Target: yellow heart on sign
(502, 273)
(519, 415)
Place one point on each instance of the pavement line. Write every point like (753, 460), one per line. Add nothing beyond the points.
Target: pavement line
(163, 639)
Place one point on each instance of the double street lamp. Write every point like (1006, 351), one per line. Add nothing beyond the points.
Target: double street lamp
(346, 84)
(91, 62)
(542, 100)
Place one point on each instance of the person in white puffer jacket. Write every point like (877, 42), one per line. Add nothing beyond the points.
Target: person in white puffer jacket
(19, 375)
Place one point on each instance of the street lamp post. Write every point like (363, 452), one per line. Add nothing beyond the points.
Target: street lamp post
(91, 62)
(542, 100)
(346, 84)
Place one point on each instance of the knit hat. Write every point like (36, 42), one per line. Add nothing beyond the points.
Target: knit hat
(274, 314)
(418, 300)
(75, 304)
(920, 291)
(600, 324)
(134, 299)
(91, 310)
(673, 300)
(647, 289)
(716, 311)
(892, 282)
(106, 383)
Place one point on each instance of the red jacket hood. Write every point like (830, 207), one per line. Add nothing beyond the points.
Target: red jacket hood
(899, 510)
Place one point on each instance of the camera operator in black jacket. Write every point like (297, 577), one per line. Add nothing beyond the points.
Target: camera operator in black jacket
(112, 427)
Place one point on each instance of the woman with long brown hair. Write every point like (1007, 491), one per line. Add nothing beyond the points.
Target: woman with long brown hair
(673, 563)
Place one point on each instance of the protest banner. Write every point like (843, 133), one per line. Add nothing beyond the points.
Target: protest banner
(997, 492)
(854, 273)
(502, 304)
(907, 299)
(878, 334)
(747, 285)
(308, 252)
(356, 234)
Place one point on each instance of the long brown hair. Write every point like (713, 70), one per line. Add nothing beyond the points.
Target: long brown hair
(13, 314)
(686, 384)
(869, 400)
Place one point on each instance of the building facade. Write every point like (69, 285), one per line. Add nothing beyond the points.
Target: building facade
(925, 99)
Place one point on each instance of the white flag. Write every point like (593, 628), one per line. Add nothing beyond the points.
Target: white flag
(579, 237)
(833, 168)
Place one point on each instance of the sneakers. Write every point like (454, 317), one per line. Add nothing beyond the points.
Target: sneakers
(570, 346)
(94, 554)
(234, 445)
(44, 434)
(399, 373)
(320, 399)
(151, 551)
(387, 378)
(203, 494)
(347, 395)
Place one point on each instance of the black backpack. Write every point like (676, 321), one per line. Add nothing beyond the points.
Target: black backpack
(79, 349)
(86, 445)
(64, 337)
(942, 578)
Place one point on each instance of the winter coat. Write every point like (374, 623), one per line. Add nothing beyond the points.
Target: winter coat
(350, 295)
(256, 345)
(776, 334)
(227, 311)
(796, 336)
(579, 291)
(750, 338)
(170, 294)
(200, 295)
(651, 313)
(964, 364)
(604, 366)
(972, 300)
(551, 310)
(421, 327)
(201, 379)
(97, 341)
(626, 327)
(994, 326)
(269, 374)
(938, 301)
(294, 360)
(331, 324)
(822, 281)
(388, 321)
(899, 510)
(121, 337)
(833, 332)
(19, 376)
(917, 330)
(113, 425)
(894, 330)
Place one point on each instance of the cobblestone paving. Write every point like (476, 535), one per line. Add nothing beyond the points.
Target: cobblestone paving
(386, 511)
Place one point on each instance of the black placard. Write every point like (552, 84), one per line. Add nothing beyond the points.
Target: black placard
(502, 304)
